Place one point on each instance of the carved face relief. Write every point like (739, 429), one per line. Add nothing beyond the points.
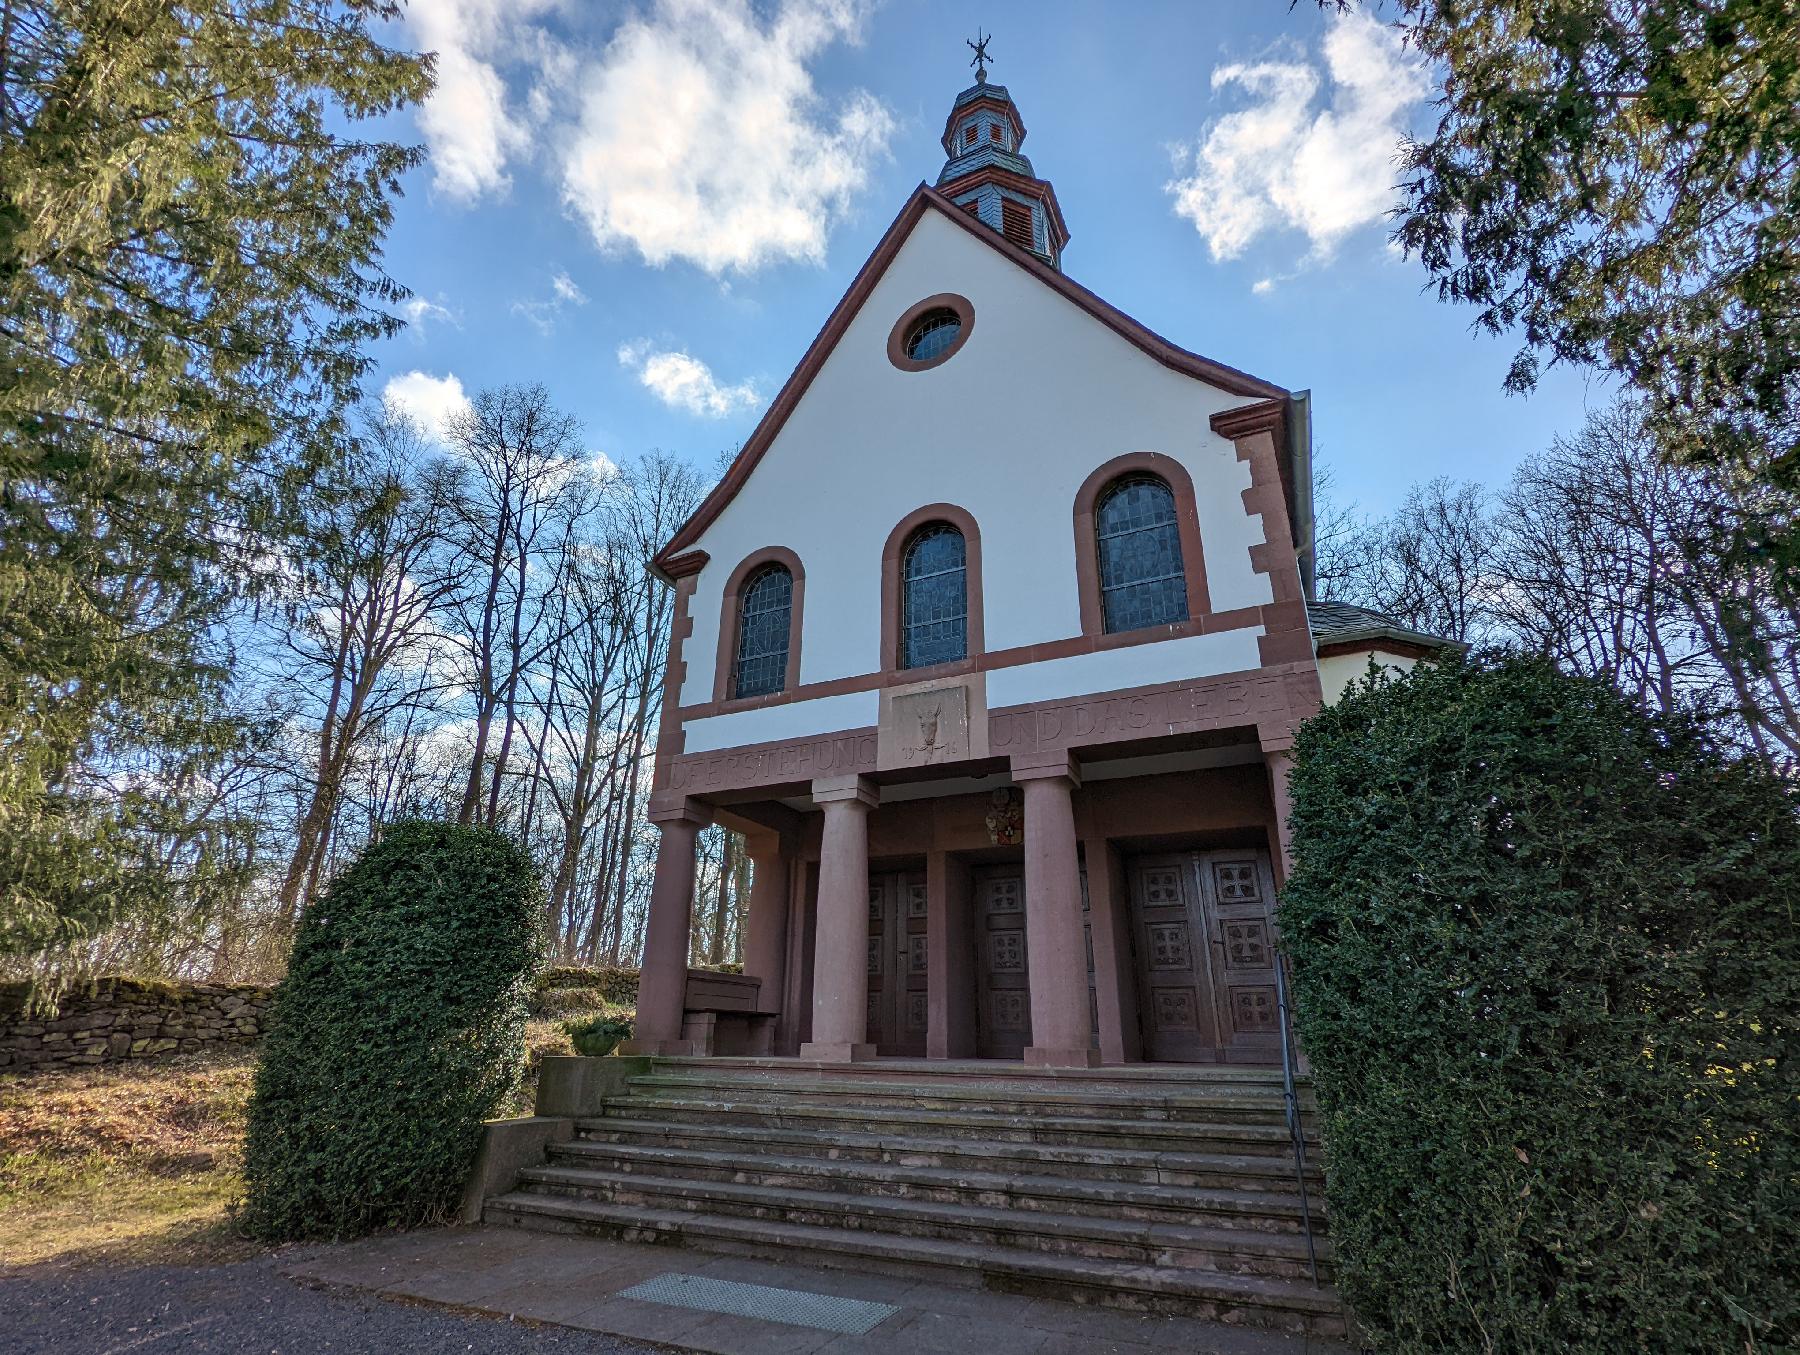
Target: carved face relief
(928, 727)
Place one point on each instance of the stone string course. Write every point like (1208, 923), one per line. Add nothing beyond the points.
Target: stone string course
(120, 1018)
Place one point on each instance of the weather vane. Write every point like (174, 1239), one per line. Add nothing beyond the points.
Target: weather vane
(979, 47)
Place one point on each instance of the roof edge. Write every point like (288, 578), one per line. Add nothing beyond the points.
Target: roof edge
(1217, 374)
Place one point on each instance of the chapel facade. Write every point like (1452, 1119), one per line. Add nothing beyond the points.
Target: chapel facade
(993, 641)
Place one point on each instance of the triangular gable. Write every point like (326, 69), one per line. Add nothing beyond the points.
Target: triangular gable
(926, 198)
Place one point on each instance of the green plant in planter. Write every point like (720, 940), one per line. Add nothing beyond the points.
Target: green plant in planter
(598, 1036)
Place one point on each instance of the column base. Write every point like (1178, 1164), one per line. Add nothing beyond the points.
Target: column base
(1040, 1057)
(663, 1048)
(837, 1053)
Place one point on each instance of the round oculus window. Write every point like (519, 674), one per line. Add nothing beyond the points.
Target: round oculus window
(930, 332)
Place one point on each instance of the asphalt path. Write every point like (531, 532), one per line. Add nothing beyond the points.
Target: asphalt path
(249, 1308)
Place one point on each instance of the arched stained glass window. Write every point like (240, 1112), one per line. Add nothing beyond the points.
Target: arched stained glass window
(1142, 582)
(765, 604)
(934, 597)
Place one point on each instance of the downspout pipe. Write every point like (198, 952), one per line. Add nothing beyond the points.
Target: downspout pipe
(1300, 457)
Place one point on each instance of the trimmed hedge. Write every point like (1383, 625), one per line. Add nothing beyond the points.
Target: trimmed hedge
(398, 1030)
(1547, 969)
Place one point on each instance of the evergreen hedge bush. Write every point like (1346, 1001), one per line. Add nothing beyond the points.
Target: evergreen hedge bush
(1547, 969)
(397, 1031)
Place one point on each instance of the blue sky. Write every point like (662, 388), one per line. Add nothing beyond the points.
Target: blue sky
(652, 208)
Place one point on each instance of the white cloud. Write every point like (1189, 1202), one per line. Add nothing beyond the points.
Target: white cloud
(542, 311)
(418, 311)
(700, 137)
(685, 382)
(429, 401)
(564, 288)
(470, 129)
(1285, 162)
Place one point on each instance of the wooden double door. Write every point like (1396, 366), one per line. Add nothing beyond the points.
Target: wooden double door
(1204, 935)
(1003, 964)
(899, 992)
(899, 1000)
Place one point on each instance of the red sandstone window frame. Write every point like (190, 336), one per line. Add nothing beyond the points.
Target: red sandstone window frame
(950, 301)
(730, 620)
(1187, 524)
(892, 562)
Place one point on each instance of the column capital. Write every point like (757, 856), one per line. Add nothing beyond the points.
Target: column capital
(1277, 741)
(839, 789)
(672, 809)
(1046, 766)
(766, 846)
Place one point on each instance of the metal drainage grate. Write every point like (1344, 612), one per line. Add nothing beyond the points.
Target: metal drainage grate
(791, 1307)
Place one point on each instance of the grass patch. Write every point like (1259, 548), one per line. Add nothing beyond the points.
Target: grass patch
(142, 1162)
(131, 1162)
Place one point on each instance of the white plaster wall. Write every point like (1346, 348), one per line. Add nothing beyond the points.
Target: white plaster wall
(1008, 428)
(1338, 671)
(791, 720)
(1109, 670)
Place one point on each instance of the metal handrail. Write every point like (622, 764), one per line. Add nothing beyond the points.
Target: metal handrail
(1291, 1102)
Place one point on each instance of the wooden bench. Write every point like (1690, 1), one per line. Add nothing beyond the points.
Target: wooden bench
(720, 1015)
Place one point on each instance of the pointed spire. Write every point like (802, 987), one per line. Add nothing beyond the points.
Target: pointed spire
(987, 175)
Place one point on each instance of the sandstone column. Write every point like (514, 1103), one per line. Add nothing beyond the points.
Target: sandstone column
(662, 985)
(841, 954)
(1055, 948)
(765, 930)
(1280, 762)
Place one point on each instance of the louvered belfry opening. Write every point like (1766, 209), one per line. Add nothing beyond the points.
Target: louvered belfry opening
(983, 139)
(1015, 223)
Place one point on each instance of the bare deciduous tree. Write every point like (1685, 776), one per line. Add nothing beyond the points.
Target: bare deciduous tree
(362, 608)
(1603, 557)
(516, 456)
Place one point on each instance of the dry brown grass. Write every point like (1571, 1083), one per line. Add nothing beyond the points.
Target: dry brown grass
(142, 1161)
(133, 1162)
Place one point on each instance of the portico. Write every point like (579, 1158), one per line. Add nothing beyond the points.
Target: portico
(996, 906)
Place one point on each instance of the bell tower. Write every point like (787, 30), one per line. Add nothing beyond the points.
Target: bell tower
(988, 177)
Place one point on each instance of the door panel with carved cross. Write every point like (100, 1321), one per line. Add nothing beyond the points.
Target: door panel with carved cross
(1175, 983)
(1239, 889)
(897, 963)
(1002, 965)
(1206, 955)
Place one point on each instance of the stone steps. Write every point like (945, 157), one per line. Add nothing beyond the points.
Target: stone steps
(1237, 1251)
(1179, 1104)
(1171, 1190)
(928, 1072)
(1283, 1304)
(1258, 1172)
(1267, 1136)
(1260, 1210)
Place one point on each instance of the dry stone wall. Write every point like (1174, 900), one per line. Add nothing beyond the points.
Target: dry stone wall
(120, 1018)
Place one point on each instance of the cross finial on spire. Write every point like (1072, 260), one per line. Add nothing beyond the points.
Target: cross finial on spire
(979, 47)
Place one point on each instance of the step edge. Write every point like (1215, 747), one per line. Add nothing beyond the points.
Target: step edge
(1266, 1291)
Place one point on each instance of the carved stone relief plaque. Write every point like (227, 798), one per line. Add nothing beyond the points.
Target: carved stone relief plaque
(932, 723)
